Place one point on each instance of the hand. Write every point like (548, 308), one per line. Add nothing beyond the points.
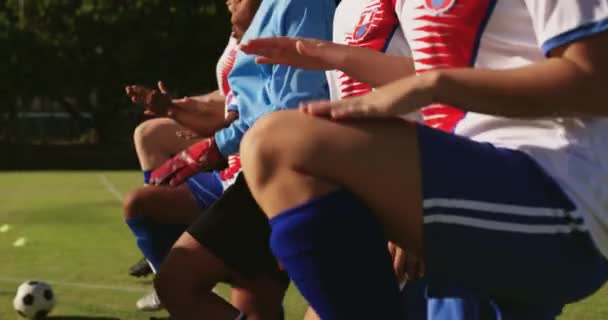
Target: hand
(395, 99)
(155, 102)
(311, 54)
(204, 104)
(202, 156)
(407, 267)
(203, 115)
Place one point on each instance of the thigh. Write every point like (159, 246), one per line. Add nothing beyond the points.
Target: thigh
(168, 204)
(192, 266)
(160, 134)
(236, 230)
(495, 222)
(261, 296)
(375, 159)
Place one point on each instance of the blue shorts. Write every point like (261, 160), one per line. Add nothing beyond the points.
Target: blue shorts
(206, 188)
(496, 224)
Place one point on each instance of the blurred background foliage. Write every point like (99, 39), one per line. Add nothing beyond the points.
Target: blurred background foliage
(64, 63)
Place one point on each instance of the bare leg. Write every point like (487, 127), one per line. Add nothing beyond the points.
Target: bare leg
(156, 140)
(259, 298)
(162, 204)
(311, 315)
(289, 158)
(189, 273)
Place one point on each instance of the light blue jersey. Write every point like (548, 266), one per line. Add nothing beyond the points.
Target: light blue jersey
(260, 89)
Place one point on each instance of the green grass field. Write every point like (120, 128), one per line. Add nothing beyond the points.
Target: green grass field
(76, 240)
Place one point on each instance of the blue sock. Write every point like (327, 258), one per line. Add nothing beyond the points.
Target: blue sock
(334, 250)
(147, 174)
(453, 302)
(155, 239)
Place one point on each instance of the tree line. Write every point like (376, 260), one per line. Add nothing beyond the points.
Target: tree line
(80, 54)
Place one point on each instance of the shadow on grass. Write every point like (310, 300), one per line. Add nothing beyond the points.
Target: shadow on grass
(80, 318)
(95, 318)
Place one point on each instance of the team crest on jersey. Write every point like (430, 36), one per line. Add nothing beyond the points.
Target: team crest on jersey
(438, 7)
(365, 24)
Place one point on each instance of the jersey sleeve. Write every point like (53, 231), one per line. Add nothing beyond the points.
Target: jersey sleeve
(559, 22)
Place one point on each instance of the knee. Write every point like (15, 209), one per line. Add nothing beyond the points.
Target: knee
(133, 204)
(141, 133)
(178, 278)
(263, 146)
(148, 132)
(257, 143)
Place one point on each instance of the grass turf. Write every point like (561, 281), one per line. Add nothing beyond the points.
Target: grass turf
(75, 238)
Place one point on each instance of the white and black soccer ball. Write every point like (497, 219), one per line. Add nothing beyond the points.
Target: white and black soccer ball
(34, 300)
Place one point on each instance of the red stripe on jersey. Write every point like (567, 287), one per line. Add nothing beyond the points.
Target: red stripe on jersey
(234, 167)
(448, 40)
(227, 65)
(356, 89)
(373, 31)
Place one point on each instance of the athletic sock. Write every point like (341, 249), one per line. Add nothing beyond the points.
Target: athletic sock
(453, 302)
(155, 239)
(147, 175)
(334, 250)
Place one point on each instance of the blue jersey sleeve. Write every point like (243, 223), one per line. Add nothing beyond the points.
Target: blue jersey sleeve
(281, 87)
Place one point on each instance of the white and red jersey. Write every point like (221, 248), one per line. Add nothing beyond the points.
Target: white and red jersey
(224, 66)
(370, 24)
(491, 34)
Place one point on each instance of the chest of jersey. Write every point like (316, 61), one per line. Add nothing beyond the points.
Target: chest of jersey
(369, 24)
(444, 33)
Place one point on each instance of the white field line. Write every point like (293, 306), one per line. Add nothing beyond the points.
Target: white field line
(110, 187)
(81, 285)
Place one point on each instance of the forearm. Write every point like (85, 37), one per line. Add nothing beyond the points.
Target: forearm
(555, 87)
(202, 114)
(214, 98)
(374, 68)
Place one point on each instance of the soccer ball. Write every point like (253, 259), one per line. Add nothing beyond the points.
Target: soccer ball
(34, 300)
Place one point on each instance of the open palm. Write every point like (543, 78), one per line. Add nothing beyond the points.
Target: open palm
(311, 54)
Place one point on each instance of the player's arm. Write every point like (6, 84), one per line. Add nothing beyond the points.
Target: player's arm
(368, 66)
(211, 100)
(570, 82)
(203, 114)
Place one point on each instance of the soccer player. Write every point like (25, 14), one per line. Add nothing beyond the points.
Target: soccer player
(158, 216)
(373, 24)
(230, 238)
(505, 207)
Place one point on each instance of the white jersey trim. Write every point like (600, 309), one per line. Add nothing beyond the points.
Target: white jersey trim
(498, 208)
(503, 226)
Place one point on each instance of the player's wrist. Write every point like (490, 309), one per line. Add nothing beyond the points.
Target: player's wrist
(429, 86)
(345, 57)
